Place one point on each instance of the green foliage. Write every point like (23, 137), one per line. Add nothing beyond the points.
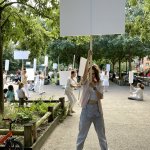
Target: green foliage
(133, 2)
(22, 25)
(40, 108)
(24, 115)
(138, 19)
(65, 49)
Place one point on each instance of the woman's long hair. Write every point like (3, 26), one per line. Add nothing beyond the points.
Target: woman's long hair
(141, 86)
(20, 85)
(95, 68)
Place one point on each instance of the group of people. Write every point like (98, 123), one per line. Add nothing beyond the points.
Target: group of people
(9, 94)
(23, 88)
(90, 100)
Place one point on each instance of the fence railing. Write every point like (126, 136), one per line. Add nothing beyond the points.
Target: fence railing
(30, 129)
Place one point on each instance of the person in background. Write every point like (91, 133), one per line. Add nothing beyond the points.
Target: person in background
(41, 76)
(137, 93)
(37, 82)
(91, 107)
(24, 80)
(106, 81)
(10, 94)
(4, 94)
(113, 76)
(71, 85)
(21, 95)
(50, 73)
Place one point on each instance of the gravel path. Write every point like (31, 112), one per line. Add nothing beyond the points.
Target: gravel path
(127, 123)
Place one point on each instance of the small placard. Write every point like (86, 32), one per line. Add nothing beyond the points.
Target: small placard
(82, 66)
(21, 54)
(131, 76)
(63, 77)
(30, 74)
(107, 67)
(6, 65)
(46, 61)
(55, 65)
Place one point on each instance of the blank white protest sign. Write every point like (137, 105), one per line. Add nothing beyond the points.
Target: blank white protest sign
(92, 17)
(63, 77)
(21, 54)
(107, 67)
(30, 74)
(131, 76)
(6, 65)
(82, 66)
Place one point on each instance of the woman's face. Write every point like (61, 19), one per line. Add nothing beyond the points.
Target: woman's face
(93, 76)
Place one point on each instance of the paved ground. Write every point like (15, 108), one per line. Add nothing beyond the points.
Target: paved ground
(127, 122)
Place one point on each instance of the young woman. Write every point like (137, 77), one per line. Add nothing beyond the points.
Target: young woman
(91, 108)
(137, 93)
(71, 84)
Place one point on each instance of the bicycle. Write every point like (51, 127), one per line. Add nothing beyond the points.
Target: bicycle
(10, 142)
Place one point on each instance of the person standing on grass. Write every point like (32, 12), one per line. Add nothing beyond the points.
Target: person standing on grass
(91, 107)
(71, 85)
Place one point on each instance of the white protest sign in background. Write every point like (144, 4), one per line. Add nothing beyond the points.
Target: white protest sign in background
(30, 74)
(63, 77)
(34, 64)
(131, 76)
(6, 65)
(28, 63)
(21, 54)
(107, 67)
(46, 61)
(82, 66)
(55, 65)
(92, 17)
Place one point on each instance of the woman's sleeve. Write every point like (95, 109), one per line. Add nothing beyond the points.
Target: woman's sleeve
(136, 91)
(133, 88)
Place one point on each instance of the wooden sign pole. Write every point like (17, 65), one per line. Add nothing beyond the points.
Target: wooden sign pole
(90, 62)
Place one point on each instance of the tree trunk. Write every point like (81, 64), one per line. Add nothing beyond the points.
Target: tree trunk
(119, 69)
(1, 68)
(130, 66)
(113, 66)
